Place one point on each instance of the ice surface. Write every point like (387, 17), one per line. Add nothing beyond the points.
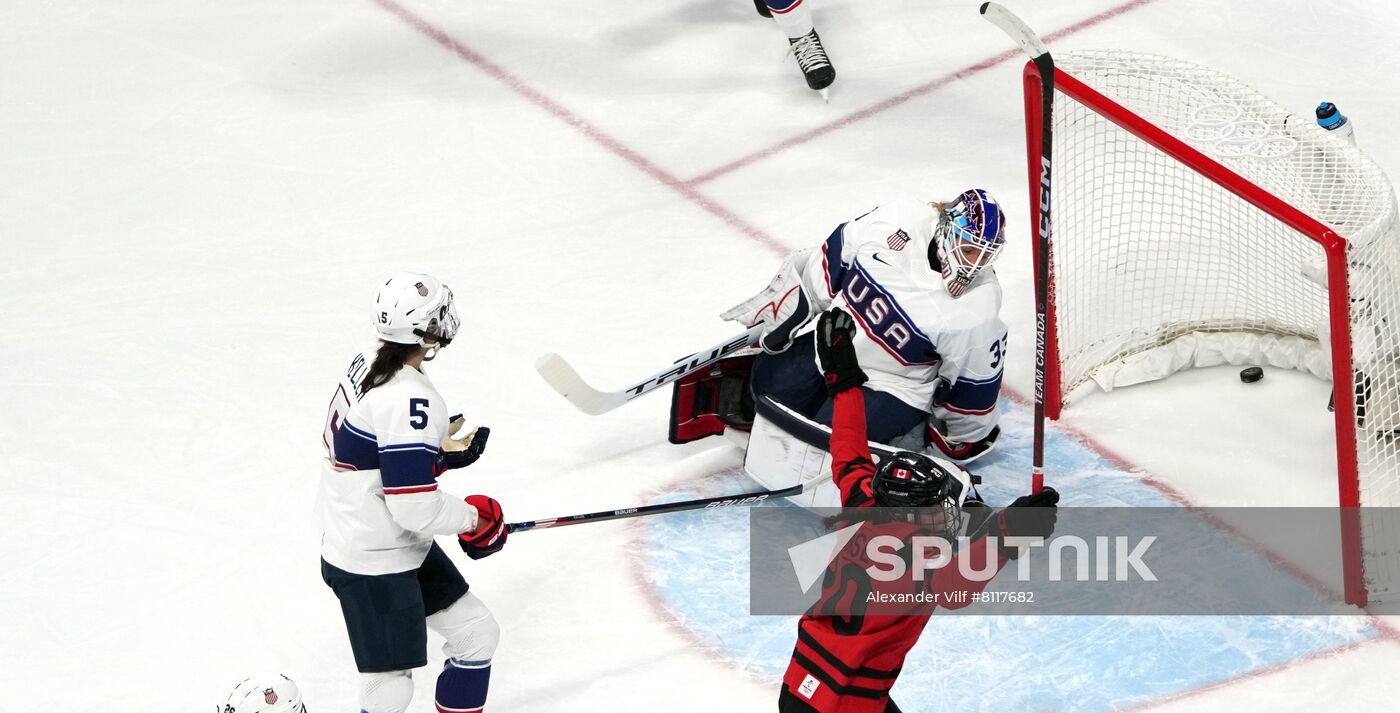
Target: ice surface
(196, 197)
(698, 565)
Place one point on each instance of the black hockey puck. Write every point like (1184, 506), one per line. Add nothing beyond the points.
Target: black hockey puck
(1251, 374)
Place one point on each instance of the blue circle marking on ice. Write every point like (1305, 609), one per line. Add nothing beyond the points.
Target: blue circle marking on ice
(698, 565)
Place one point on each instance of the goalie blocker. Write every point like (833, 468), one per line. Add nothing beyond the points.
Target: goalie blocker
(706, 402)
(703, 403)
(785, 448)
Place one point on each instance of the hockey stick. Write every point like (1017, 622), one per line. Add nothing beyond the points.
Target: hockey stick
(562, 378)
(718, 501)
(1017, 30)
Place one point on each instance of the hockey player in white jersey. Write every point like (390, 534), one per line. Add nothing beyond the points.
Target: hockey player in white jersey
(794, 18)
(387, 438)
(917, 276)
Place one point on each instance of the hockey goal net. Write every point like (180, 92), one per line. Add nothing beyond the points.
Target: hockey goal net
(1198, 223)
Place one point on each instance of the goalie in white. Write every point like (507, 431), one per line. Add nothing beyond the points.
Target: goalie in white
(917, 277)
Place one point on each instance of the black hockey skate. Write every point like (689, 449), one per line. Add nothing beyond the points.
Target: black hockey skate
(812, 59)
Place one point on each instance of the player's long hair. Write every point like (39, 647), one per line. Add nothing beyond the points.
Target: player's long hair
(387, 362)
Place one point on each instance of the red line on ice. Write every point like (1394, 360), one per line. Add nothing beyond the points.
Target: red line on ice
(688, 189)
(1251, 675)
(593, 133)
(899, 99)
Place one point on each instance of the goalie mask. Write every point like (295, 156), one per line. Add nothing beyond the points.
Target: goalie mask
(264, 693)
(914, 480)
(411, 308)
(968, 236)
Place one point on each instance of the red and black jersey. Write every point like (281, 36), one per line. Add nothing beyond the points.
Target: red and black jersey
(845, 661)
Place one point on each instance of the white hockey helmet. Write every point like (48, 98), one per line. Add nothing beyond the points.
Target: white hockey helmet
(969, 234)
(412, 308)
(264, 693)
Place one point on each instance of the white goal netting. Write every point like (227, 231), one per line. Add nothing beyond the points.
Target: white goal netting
(1157, 268)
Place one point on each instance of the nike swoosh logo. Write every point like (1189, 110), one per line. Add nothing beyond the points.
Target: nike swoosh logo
(876, 258)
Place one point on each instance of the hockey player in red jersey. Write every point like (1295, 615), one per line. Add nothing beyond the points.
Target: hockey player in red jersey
(846, 661)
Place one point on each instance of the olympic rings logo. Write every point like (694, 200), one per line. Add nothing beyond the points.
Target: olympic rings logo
(1221, 129)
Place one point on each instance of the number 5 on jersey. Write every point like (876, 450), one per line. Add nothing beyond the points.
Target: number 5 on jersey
(418, 413)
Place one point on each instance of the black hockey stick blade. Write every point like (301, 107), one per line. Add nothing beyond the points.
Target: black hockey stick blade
(718, 501)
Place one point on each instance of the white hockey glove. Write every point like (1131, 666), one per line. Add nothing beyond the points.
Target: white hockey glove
(782, 307)
(461, 451)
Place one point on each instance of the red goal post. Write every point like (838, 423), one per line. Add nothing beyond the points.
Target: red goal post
(1189, 212)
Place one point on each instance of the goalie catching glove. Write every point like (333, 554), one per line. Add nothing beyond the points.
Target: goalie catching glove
(490, 534)
(460, 452)
(782, 307)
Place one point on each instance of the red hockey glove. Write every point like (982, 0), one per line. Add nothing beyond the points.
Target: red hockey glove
(490, 534)
(836, 353)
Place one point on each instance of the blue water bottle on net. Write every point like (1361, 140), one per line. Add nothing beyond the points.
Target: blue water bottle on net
(1331, 118)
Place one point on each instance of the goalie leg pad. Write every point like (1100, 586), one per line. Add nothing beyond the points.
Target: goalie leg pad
(706, 402)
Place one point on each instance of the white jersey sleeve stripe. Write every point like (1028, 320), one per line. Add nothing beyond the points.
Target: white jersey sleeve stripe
(409, 489)
(362, 433)
(409, 447)
(967, 412)
(833, 268)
